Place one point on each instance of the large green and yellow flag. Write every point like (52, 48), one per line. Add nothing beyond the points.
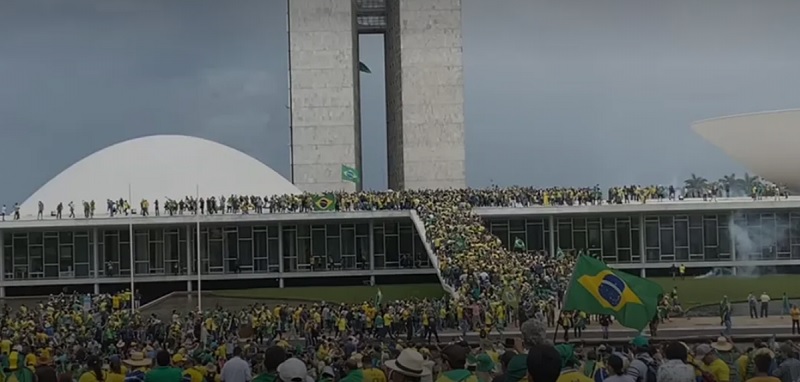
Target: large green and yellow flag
(325, 202)
(597, 289)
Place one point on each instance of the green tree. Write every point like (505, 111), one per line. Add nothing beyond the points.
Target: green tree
(696, 184)
(732, 183)
(748, 182)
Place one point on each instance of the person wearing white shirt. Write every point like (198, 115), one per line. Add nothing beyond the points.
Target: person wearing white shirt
(236, 369)
(764, 305)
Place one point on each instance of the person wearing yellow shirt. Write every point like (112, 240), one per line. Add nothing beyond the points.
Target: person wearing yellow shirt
(5, 346)
(569, 365)
(95, 371)
(795, 313)
(762, 362)
(116, 372)
(707, 360)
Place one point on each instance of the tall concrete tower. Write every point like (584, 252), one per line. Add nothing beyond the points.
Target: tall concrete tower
(424, 91)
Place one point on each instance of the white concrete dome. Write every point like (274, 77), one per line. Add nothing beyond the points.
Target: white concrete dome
(766, 143)
(157, 167)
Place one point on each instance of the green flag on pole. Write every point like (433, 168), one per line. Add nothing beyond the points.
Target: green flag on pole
(378, 297)
(350, 174)
(362, 67)
(519, 244)
(597, 289)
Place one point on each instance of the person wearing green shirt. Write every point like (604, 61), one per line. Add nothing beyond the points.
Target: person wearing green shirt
(273, 356)
(163, 372)
(785, 306)
(15, 371)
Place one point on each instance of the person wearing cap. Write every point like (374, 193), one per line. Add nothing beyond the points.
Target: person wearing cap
(409, 366)
(273, 357)
(454, 362)
(293, 370)
(728, 354)
(709, 363)
(642, 360)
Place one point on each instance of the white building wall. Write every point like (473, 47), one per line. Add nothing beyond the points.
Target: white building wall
(425, 94)
(323, 69)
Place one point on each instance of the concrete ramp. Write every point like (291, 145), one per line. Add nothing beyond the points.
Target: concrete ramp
(420, 226)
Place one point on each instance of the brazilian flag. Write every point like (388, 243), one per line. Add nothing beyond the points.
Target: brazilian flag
(597, 289)
(325, 202)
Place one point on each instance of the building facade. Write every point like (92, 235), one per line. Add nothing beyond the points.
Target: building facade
(379, 243)
(424, 91)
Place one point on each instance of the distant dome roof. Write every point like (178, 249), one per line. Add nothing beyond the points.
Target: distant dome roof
(765, 143)
(157, 167)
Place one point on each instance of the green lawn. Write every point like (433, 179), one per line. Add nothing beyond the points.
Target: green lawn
(693, 292)
(344, 294)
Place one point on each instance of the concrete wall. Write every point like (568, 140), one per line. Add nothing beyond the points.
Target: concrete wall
(323, 73)
(425, 94)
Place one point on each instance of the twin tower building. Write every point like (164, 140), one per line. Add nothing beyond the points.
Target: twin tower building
(424, 91)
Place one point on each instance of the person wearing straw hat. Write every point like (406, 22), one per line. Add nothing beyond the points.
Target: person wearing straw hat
(138, 365)
(728, 353)
(409, 366)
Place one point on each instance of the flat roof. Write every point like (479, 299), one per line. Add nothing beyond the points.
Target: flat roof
(651, 207)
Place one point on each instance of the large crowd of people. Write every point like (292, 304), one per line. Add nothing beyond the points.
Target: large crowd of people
(491, 287)
(73, 337)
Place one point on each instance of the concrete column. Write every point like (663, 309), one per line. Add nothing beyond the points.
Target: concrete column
(96, 288)
(371, 246)
(551, 223)
(372, 280)
(96, 253)
(189, 286)
(2, 264)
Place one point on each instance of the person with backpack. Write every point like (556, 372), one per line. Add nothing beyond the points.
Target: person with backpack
(642, 367)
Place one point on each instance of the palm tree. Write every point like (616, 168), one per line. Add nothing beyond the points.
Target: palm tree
(730, 183)
(748, 182)
(696, 185)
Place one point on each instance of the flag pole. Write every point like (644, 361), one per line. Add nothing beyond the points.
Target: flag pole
(199, 260)
(130, 245)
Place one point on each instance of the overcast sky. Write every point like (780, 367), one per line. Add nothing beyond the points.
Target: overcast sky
(558, 92)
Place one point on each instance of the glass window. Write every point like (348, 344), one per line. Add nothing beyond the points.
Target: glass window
(696, 240)
(215, 253)
(124, 236)
(623, 234)
(348, 242)
(710, 233)
(564, 233)
(35, 237)
(695, 221)
(593, 232)
(535, 237)
(289, 249)
(579, 240)
(260, 245)
(635, 243)
(318, 243)
(609, 243)
(82, 252)
(392, 249)
(303, 230)
(681, 234)
(333, 248)
(682, 254)
(273, 231)
(81, 270)
(66, 259)
(362, 229)
(651, 235)
(245, 253)
(406, 240)
(332, 230)
(111, 249)
(124, 256)
(724, 240)
(65, 237)
(390, 227)
(245, 232)
(579, 223)
(516, 224)
(50, 251)
(51, 271)
(274, 253)
(140, 248)
(665, 221)
(667, 242)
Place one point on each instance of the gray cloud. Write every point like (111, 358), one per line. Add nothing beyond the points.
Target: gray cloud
(557, 92)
